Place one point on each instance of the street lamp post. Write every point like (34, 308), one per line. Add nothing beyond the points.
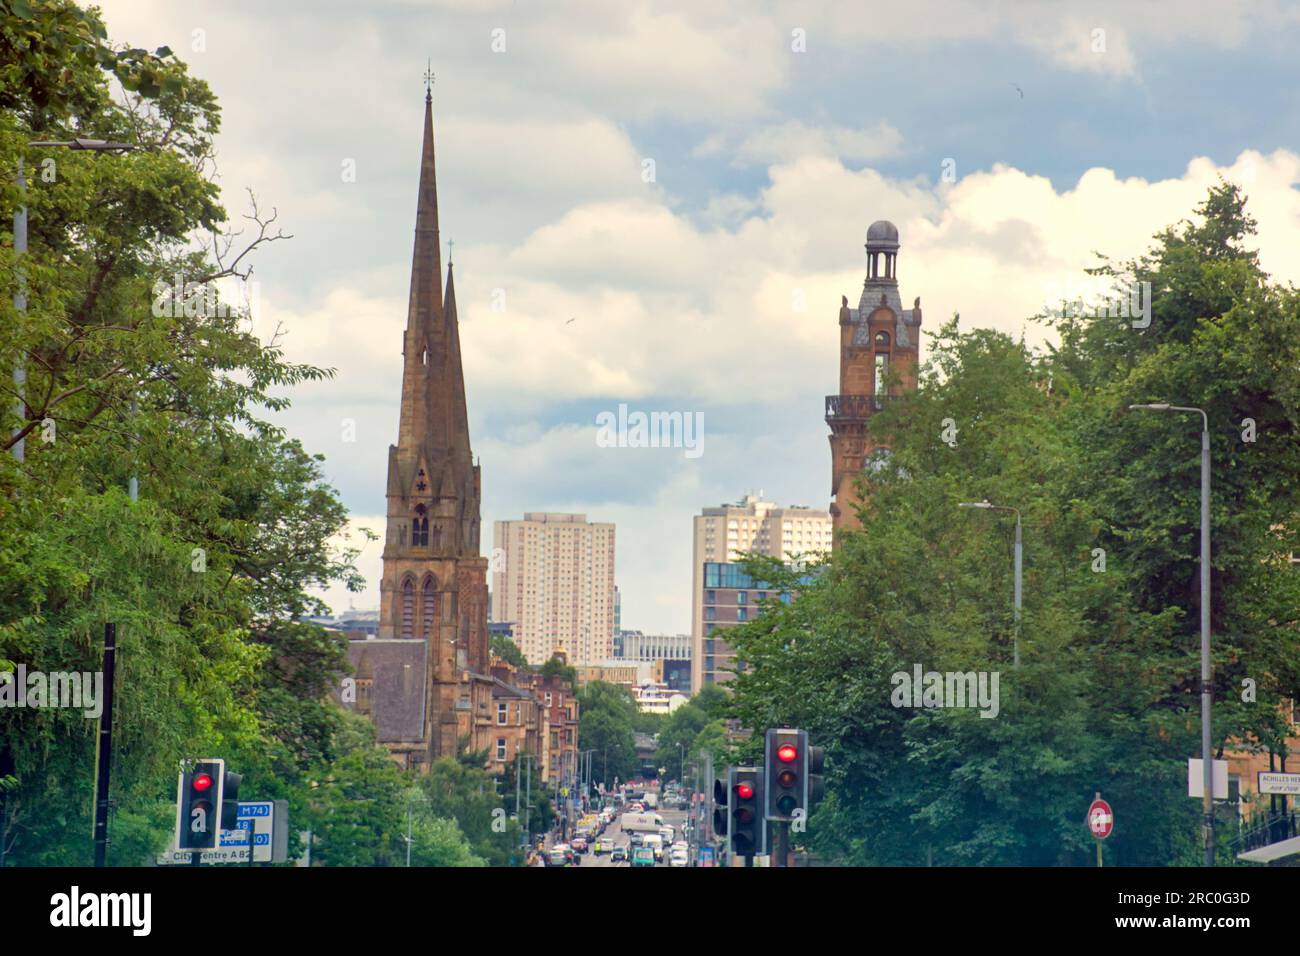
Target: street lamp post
(411, 796)
(1207, 690)
(1016, 599)
(20, 247)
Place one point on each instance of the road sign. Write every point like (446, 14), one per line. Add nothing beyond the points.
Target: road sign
(1278, 782)
(1101, 819)
(706, 856)
(1196, 778)
(269, 835)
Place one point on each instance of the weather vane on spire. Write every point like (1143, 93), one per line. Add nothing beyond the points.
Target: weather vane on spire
(451, 249)
(428, 80)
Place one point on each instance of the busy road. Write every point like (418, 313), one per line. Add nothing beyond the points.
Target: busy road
(630, 834)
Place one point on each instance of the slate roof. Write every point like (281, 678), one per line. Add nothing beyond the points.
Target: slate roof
(872, 290)
(399, 670)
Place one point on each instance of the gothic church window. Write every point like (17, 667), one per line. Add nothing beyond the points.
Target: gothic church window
(408, 608)
(430, 608)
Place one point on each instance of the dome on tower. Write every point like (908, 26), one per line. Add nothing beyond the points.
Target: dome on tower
(882, 234)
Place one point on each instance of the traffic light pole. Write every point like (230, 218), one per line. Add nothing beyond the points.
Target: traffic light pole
(104, 747)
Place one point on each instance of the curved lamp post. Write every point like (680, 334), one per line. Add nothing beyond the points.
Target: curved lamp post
(1207, 690)
(987, 506)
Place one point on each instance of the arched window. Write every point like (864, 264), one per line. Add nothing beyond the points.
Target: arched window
(419, 528)
(408, 609)
(428, 614)
(882, 340)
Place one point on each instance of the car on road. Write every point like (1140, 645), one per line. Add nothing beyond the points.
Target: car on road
(556, 856)
(618, 855)
(656, 844)
(643, 856)
(579, 844)
(679, 857)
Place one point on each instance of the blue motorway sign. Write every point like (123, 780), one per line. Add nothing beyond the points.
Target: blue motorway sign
(257, 816)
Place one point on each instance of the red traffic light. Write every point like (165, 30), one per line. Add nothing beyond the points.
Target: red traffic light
(744, 791)
(202, 782)
(787, 753)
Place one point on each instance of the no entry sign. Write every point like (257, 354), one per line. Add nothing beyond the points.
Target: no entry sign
(1101, 819)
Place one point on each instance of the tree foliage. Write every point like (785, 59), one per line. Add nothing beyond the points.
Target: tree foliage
(1107, 695)
(606, 717)
(207, 574)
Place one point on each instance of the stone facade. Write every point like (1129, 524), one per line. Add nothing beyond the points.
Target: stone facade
(431, 677)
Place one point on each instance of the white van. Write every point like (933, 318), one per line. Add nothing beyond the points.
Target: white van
(656, 843)
(666, 834)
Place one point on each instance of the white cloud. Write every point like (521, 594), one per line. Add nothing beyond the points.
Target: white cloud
(666, 312)
(685, 304)
(794, 138)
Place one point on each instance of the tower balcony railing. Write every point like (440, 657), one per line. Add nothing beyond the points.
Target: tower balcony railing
(853, 408)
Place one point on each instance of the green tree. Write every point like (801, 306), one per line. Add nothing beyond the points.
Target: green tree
(677, 737)
(606, 713)
(508, 651)
(555, 667)
(361, 807)
(469, 796)
(234, 526)
(1106, 697)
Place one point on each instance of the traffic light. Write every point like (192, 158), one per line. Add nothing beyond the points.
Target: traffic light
(198, 804)
(230, 800)
(816, 782)
(792, 769)
(747, 826)
(721, 805)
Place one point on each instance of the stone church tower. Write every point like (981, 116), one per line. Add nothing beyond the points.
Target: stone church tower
(879, 349)
(434, 586)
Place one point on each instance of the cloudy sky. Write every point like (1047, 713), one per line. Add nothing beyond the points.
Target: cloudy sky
(778, 133)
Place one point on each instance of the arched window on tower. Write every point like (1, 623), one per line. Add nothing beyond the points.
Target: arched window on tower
(408, 609)
(420, 528)
(882, 369)
(429, 611)
(882, 340)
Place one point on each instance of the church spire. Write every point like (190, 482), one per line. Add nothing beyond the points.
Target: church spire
(434, 584)
(455, 377)
(433, 446)
(424, 309)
